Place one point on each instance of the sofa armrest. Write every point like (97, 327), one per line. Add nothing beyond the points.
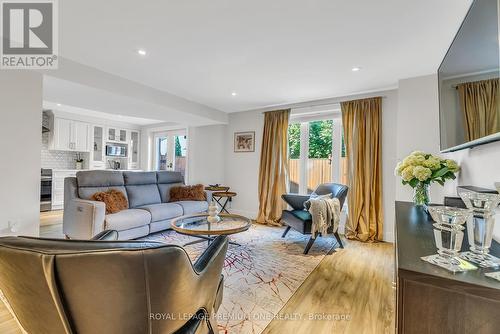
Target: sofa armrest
(296, 201)
(83, 219)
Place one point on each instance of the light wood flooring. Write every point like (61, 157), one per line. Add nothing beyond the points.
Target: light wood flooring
(350, 291)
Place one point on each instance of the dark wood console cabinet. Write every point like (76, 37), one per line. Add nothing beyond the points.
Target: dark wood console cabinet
(431, 299)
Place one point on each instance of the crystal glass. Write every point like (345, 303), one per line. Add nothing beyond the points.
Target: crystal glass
(448, 230)
(421, 194)
(480, 227)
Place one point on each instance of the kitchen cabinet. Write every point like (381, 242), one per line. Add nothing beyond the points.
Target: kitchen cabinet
(69, 135)
(133, 162)
(58, 177)
(117, 135)
(97, 156)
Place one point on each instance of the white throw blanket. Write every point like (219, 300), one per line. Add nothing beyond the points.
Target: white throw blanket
(325, 213)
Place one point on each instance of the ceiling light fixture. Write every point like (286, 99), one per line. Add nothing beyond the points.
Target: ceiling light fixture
(141, 52)
(233, 94)
(356, 69)
(58, 104)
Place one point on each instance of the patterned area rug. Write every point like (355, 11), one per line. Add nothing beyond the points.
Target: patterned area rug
(260, 275)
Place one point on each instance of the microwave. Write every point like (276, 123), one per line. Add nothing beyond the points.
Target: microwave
(116, 151)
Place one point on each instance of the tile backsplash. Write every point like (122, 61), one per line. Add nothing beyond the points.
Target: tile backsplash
(58, 159)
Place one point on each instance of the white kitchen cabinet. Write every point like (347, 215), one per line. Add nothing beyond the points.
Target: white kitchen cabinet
(133, 155)
(80, 135)
(58, 177)
(117, 135)
(97, 154)
(61, 135)
(69, 135)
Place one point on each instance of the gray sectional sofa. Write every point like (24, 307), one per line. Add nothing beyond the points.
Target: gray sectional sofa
(148, 195)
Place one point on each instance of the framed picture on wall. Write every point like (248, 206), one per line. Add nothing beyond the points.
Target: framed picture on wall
(244, 141)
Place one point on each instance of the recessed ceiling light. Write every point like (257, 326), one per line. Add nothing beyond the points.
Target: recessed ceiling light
(356, 69)
(141, 52)
(234, 94)
(58, 104)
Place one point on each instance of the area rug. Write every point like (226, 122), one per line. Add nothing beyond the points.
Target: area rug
(260, 275)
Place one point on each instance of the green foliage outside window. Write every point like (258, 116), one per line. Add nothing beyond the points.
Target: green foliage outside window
(320, 140)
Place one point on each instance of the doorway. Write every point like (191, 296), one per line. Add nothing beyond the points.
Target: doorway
(170, 151)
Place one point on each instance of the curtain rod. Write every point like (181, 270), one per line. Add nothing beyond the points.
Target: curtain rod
(297, 105)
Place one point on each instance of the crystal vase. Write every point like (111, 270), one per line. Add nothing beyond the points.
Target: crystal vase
(421, 194)
(480, 227)
(448, 235)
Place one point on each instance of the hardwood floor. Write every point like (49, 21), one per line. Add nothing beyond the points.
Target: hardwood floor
(350, 291)
(355, 283)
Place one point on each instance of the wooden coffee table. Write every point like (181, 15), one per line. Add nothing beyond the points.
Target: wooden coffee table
(198, 226)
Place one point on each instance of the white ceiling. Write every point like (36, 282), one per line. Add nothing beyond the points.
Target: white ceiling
(269, 52)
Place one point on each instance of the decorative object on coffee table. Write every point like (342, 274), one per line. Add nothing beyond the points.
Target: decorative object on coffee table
(448, 235)
(244, 141)
(480, 227)
(213, 213)
(199, 226)
(420, 169)
(223, 198)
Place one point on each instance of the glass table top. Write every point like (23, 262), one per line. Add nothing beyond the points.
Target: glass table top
(199, 225)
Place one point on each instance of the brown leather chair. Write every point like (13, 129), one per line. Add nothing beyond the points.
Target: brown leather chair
(68, 286)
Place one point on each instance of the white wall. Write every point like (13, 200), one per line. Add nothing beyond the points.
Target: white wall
(206, 150)
(20, 144)
(417, 125)
(242, 169)
(418, 129)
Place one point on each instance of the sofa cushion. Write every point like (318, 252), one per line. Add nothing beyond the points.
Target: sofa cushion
(139, 178)
(188, 193)
(169, 177)
(91, 182)
(114, 200)
(163, 211)
(99, 178)
(127, 219)
(190, 207)
(167, 180)
(141, 188)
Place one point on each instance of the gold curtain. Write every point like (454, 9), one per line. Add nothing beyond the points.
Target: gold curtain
(273, 173)
(479, 104)
(362, 122)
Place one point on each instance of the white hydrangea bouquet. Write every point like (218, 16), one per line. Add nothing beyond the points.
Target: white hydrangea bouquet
(420, 169)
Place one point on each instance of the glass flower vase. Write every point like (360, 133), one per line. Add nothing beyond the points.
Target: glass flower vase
(421, 194)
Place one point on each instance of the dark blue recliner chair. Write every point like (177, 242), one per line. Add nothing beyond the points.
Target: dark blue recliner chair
(300, 219)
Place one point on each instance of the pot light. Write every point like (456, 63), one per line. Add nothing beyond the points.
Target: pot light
(356, 69)
(234, 94)
(58, 104)
(142, 52)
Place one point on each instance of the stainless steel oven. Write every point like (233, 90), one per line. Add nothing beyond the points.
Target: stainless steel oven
(46, 190)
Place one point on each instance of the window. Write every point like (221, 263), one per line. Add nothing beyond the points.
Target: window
(317, 154)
